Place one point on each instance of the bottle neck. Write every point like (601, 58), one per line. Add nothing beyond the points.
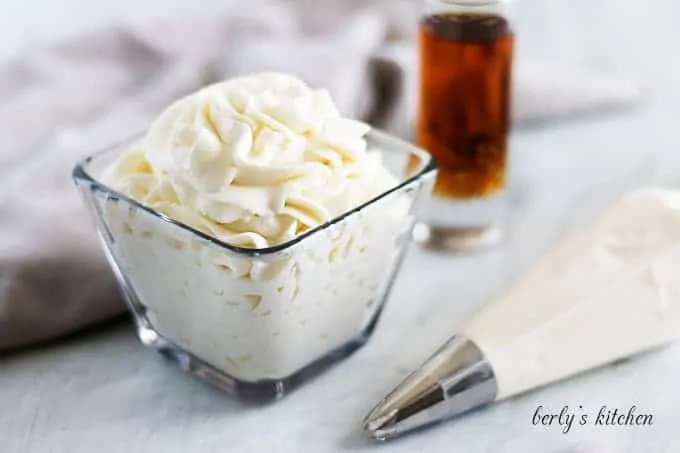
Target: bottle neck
(495, 7)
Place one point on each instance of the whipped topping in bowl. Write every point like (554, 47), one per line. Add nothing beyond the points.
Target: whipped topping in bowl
(255, 162)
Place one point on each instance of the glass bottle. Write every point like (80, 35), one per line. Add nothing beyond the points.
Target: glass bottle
(466, 55)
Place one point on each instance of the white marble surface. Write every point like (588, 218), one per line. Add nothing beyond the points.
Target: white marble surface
(103, 392)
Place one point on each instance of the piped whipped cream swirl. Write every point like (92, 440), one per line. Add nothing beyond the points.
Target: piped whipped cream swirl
(253, 161)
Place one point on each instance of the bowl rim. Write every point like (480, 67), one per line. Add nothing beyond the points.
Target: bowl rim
(81, 175)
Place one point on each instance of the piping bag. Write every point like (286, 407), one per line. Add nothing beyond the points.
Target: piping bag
(616, 282)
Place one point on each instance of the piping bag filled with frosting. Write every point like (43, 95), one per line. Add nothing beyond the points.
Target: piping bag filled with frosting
(618, 276)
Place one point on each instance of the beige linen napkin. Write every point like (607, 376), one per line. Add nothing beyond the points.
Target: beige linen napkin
(68, 100)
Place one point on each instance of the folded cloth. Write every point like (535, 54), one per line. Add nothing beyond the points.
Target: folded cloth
(70, 99)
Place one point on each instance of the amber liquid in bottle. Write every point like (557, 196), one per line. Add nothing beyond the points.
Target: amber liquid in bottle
(463, 119)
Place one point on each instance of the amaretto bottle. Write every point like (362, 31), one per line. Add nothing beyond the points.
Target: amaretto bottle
(466, 55)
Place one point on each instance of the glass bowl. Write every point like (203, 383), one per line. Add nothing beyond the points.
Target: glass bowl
(258, 322)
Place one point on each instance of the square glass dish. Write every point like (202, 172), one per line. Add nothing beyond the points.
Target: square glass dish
(258, 322)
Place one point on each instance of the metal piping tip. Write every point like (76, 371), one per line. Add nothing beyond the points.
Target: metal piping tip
(409, 410)
(456, 379)
(377, 422)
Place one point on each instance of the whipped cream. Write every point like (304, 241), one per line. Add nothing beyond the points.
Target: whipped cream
(255, 162)
(608, 292)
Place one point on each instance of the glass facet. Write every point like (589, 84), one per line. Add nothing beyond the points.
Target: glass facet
(258, 322)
